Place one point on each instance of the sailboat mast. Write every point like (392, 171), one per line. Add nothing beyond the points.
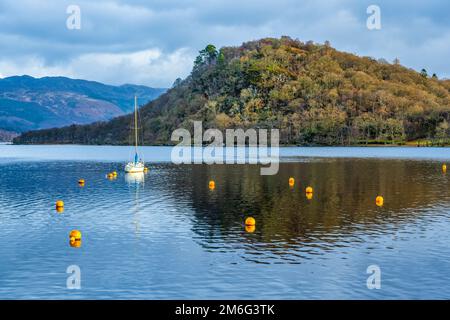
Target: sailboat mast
(135, 125)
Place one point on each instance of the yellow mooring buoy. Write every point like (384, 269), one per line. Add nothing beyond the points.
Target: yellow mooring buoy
(114, 173)
(379, 201)
(75, 238)
(75, 235)
(59, 204)
(110, 176)
(291, 182)
(250, 221)
(81, 182)
(444, 168)
(309, 190)
(212, 185)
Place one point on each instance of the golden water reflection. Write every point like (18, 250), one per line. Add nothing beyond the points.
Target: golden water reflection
(343, 202)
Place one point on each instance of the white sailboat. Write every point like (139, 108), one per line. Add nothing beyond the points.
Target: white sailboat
(136, 166)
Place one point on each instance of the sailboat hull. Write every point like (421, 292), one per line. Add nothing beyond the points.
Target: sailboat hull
(134, 167)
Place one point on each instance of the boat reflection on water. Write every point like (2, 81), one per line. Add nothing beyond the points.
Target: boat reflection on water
(136, 178)
(135, 181)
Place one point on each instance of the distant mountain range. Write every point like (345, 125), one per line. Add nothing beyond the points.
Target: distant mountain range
(28, 103)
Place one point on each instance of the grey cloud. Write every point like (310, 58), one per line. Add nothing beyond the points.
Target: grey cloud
(416, 32)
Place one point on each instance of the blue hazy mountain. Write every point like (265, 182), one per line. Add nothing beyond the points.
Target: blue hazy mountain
(28, 103)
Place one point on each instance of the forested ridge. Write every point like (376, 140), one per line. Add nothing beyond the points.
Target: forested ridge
(313, 93)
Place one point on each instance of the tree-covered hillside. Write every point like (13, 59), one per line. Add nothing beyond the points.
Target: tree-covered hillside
(313, 93)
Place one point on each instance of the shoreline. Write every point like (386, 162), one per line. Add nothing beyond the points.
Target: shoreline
(156, 154)
(406, 145)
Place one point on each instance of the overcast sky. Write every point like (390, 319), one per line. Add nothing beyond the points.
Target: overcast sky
(153, 42)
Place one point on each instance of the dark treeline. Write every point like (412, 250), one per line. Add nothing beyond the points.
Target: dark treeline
(313, 93)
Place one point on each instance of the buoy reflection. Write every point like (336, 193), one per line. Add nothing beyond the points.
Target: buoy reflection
(75, 243)
(250, 229)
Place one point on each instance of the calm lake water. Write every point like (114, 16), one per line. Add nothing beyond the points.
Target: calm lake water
(167, 236)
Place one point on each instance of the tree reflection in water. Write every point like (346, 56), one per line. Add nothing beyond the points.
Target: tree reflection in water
(288, 224)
